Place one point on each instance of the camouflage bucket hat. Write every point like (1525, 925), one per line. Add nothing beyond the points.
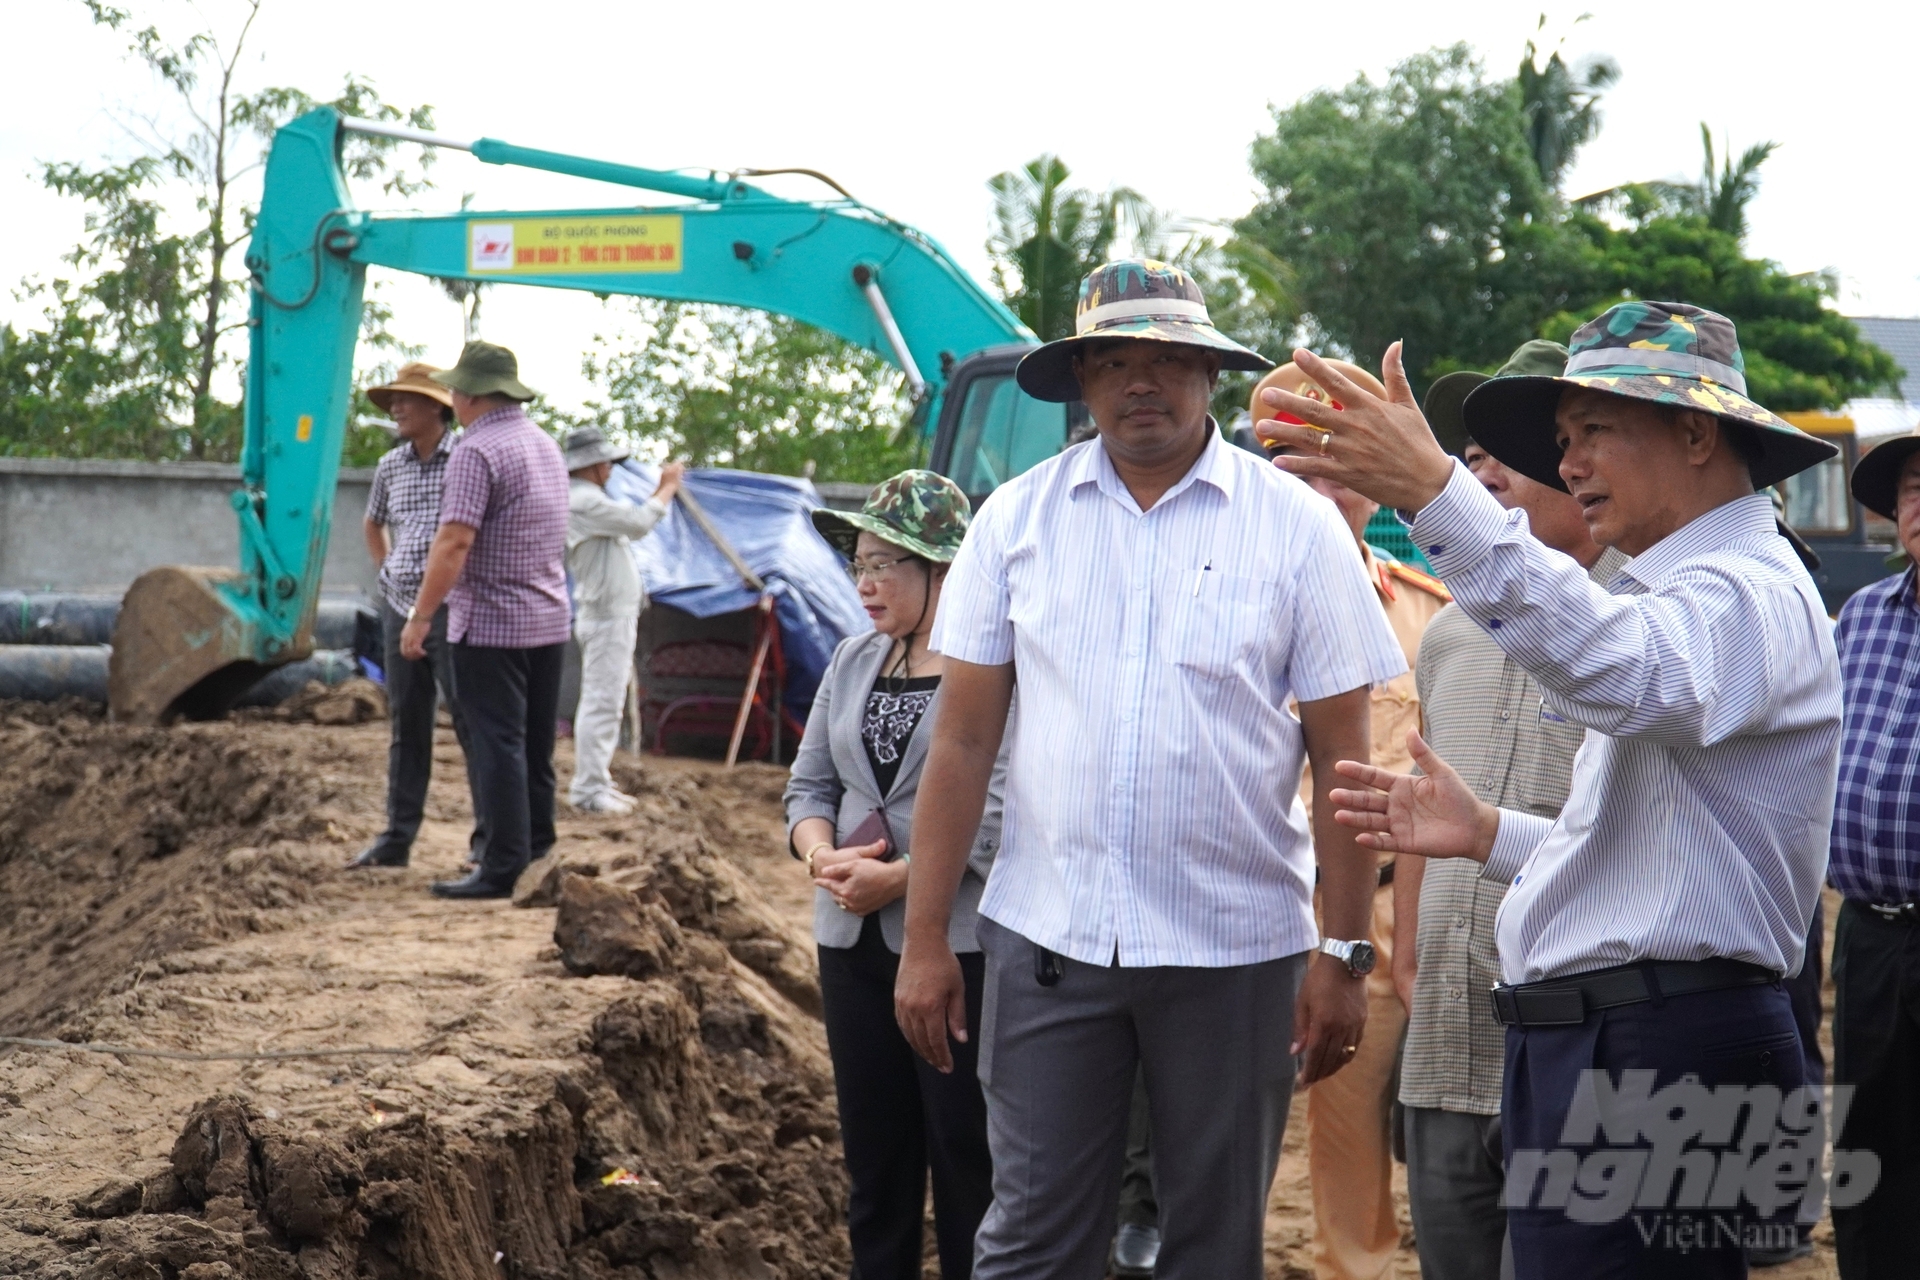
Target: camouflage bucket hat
(922, 512)
(1447, 396)
(1662, 352)
(1133, 298)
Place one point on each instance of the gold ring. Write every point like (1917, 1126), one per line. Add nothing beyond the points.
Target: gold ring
(1352, 1048)
(1326, 438)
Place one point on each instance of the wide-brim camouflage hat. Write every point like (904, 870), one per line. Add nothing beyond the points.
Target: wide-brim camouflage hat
(1876, 477)
(486, 370)
(1447, 397)
(1667, 353)
(921, 512)
(1133, 298)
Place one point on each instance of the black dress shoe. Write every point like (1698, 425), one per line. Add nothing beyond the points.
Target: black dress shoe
(376, 855)
(1135, 1251)
(476, 884)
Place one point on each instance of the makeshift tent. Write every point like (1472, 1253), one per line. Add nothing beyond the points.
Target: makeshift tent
(765, 519)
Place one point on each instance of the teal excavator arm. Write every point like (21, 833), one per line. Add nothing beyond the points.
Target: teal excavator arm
(191, 640)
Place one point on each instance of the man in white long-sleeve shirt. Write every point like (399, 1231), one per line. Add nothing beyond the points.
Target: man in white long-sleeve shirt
(1653, 1117)
(608, 598)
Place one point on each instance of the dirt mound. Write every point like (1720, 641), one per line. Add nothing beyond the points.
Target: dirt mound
(120, 845)
(180, 889)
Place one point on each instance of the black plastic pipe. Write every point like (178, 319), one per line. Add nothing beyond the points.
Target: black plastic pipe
(45, 672)
(55, 618)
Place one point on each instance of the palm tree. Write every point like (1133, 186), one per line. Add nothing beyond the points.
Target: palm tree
(1048, 237)
(1720, 198)
(1561, 105)
(1723, 197)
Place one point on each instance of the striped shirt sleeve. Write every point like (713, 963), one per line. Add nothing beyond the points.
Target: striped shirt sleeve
(975, 623)
(1685, 666)
(1341, 640)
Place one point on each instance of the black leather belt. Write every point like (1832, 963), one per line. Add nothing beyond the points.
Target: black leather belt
(1897, 911)
(1566, 1002)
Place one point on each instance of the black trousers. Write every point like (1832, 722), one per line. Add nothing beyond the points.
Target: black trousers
(510, 697)
(1584, 1201)
(1876, 1051)
(414, 690)
(898, 1117)
(1137, 1204)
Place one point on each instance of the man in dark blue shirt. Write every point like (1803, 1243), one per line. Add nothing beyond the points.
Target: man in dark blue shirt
(1875, 865)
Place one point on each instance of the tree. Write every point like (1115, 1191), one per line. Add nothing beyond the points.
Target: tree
(1720, 198)
(1800, 353)
(136, 342)
(1415, 210)
(1560, 105)
(1049, 237)
(718, 386)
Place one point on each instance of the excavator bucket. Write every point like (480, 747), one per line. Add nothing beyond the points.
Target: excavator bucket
(180, 650)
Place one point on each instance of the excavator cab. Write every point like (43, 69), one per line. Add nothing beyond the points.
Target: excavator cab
(191, 640)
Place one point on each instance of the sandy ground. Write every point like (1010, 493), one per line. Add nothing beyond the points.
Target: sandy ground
(136, 910)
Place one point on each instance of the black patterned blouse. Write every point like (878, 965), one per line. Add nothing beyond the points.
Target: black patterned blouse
(894, 709)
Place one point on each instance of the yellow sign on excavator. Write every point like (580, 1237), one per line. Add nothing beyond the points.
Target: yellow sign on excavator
(574, 246)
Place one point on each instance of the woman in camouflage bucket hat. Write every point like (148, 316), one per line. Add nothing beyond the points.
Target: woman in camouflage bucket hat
(850, 815)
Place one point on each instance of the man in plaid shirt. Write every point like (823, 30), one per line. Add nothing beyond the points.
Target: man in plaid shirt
(403, 511)
(498, 563)
(1875, 864)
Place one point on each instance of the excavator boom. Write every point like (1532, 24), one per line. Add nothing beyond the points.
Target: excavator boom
(190, 640)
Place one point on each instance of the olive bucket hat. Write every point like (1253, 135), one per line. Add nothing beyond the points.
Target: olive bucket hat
(486, 370)
(922, 512)
(1133, 298)
(1449, 392)
(1663, 352)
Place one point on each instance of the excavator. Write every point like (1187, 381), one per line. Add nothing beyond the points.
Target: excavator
(190, 640)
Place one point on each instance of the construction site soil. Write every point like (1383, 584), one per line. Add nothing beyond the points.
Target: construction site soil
(623, 1074)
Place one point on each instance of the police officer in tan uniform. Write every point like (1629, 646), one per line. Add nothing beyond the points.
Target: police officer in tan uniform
(1349, 1148)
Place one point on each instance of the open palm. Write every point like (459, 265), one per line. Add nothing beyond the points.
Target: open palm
(1432, 813)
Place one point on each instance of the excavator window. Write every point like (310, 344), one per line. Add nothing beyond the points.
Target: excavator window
(1817, 500)
(1002, 432)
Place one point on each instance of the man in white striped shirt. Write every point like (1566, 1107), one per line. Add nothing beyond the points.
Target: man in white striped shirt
(1162, 596)
(1648, 928)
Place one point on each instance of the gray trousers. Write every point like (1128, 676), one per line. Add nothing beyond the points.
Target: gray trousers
(1454, 1177)
(1057, 1063)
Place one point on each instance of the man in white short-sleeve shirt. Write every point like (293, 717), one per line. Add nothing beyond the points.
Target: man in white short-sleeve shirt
(1165, 599)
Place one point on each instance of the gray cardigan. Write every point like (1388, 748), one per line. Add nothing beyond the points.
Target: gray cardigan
(833, 779)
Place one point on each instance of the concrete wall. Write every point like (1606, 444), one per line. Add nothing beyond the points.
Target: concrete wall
(86, 524)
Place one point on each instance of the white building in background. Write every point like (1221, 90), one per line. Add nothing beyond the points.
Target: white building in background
(1878, 417)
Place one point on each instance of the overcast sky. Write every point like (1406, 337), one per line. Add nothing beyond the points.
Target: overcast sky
(913, 106)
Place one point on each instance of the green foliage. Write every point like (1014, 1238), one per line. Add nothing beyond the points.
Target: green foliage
(1415, 210)
(1560, 105)
(1800, 352)
(1049, 237)
(717, 386)
(137, 341)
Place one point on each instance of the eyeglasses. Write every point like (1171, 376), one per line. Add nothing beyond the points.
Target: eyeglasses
(875, 569)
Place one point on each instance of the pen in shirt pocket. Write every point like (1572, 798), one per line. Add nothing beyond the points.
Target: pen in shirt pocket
(1201, 577)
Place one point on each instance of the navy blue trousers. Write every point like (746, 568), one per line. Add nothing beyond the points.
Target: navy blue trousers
(1630, 1196)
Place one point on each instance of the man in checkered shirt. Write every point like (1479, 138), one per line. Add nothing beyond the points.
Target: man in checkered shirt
(1874, 861)
(498, 563)
(403, 511)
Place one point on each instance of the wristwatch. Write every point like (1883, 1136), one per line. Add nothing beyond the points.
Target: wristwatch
(1357, 956)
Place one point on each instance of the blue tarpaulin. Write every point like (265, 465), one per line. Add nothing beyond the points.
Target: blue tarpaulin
(765, 519)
